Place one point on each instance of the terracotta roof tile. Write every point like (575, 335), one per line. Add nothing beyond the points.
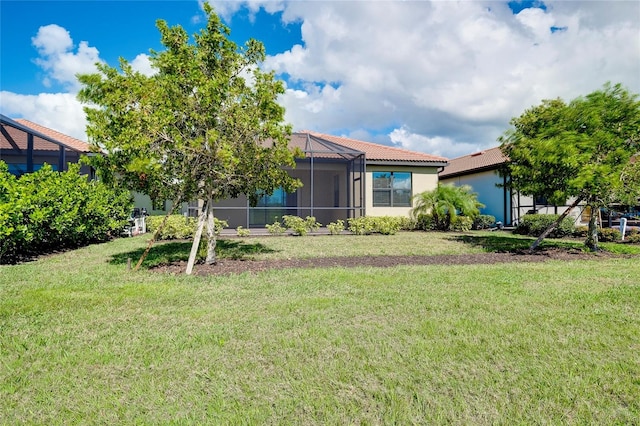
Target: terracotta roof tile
(487, 159)
(377, 152)
(69, 141)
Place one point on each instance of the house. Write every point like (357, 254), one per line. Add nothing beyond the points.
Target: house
(342, 178)
(25, 146)
(480, 171)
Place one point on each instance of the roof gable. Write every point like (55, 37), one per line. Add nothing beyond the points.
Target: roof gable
(484, 160)
(381, 153)
(71, 142)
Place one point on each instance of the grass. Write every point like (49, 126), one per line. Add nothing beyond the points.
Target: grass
(83, 340)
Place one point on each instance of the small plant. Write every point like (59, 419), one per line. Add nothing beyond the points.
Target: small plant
(242, 232)
(276, 228)
(609, 235)
(311, 224)
(301, 226)
(535, 224)
(360, 225)
(424, 222)
(462, 223)
(385, 225)
(581, 231)
(336, 227)
(484, 221)
(633, 238)
(179, 227)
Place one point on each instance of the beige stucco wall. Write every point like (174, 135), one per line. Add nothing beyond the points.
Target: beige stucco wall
(422, 179)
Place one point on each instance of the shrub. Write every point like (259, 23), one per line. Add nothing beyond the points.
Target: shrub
(301, 226)
(336, 227)
(462, 223)
(276, 228)
(180, 227)
(242, 232)
(609, 235)
(424, 222)
(633, 237)
(581, 231)
(49, 210)
(534, 224)
(406, 223)
(386, 225)
(484, 221)
(360, 225)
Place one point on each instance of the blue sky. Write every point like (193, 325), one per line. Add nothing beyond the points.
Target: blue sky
(440, 77)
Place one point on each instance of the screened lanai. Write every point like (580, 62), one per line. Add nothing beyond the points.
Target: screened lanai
(25, 147)
(333, 178)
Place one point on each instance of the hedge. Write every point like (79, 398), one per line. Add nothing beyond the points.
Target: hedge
(47, 210)
(535, 224)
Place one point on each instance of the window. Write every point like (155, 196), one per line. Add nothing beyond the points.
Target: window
(391, 189)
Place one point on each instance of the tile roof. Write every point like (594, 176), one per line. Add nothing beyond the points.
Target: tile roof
(483, 160)
(71, 142)
(375, 152)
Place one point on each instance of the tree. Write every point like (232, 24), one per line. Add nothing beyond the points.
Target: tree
(206, 125)
(575, 151)
(445, 203)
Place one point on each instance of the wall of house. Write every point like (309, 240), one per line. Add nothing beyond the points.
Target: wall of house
(422, 179)
(493, 197)
(523, 204)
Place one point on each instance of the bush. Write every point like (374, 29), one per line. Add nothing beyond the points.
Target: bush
(607, 235)
(360, 225)
(484, 221)
(386, 225)
(276, 228)
(242, 232)
(301, 226)
(462, 223)
(633, 237)
(179, 227)
(49, 210)
(535, 224)
(336, 227)
(425, 222)
(581, 231)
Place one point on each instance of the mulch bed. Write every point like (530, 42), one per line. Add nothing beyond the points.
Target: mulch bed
(231, 266)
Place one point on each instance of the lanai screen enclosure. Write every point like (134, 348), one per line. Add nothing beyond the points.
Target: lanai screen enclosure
(333, 187)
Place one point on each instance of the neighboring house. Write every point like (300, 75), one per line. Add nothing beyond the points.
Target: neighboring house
(342, 178)
(480, 171)
(25, 146)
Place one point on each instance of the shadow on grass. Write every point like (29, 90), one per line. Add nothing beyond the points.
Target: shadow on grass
(165, 253)
(507, 243)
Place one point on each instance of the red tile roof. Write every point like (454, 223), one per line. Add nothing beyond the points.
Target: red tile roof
(478, 161)
(69, 141)
(373, 152)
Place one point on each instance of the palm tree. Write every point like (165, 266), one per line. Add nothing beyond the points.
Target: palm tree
(445, 203)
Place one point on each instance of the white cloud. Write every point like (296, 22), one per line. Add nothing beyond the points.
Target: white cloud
(58, 59)
(403, 138)
(142, 64)
(452, 72)
(58, 111)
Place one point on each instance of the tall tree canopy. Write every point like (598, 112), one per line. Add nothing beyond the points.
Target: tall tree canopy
(206, 125)
(580, 150)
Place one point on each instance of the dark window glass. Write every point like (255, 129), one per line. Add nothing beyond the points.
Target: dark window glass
(391, 189)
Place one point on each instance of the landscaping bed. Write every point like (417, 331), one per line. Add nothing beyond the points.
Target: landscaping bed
(236, 266)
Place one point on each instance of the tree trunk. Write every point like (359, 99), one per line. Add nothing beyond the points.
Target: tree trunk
(196, 240)
(157, 233)
(211, 236)
(554, 225)
(592, 235)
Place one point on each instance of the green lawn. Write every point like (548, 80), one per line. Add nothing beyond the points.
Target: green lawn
(84, 340)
